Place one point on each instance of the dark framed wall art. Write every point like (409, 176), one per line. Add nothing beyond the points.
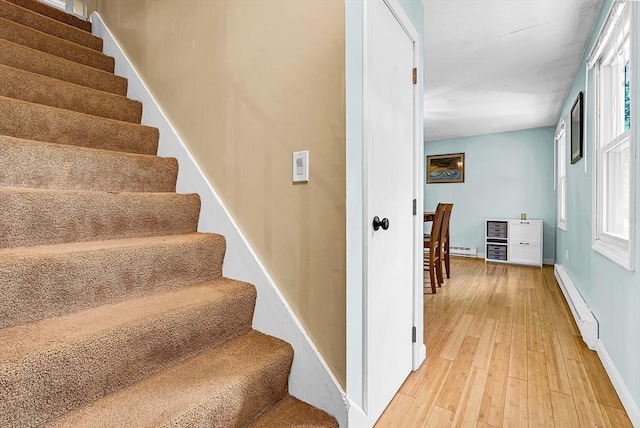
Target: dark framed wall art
(577, 117)
(445, 168)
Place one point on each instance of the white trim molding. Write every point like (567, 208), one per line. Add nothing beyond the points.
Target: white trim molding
(310, 380)
(560, 168)
(619, 384)
(620, 250)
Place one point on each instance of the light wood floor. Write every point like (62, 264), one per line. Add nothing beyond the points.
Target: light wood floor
(503, 351)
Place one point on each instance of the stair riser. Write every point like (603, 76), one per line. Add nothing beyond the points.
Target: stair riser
(66, 378)
(35, 287)
(267, 388)
(53, 125)
(47, 25)
(53, 166)
(34, 88)
(38, 40)
(224, 387)
(292, 412)
(52, 12)
(24, 58)
(44, 217)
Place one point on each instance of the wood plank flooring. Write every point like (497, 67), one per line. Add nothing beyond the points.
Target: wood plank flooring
(503, 351)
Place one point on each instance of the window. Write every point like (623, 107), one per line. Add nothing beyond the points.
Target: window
(613, 80)
(561, 147)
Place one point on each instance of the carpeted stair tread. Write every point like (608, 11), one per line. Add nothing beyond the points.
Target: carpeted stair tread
(49, 280)
(44, 42)
(56, 365)
(56, 166)
(54, 13)
(21, 119)
(45, 217)
(48, 25)
(23, 342)
(35, 88)
(19, 56)
(293, 413)
(224, 387)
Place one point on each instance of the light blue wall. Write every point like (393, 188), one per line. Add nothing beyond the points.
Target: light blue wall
(415, 11)
(612, 292)
(505, 174)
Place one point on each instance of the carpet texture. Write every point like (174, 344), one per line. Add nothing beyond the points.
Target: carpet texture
(64, 167)
(35, 39)
(114, 311)
(290, 412)
(27, 86)
(45, 216)
(39, 122)
(72, 277)
(37, 21)
(35, 61)
(51, 12)
(223, 387)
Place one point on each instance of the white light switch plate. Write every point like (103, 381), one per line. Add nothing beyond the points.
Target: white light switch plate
(301, 166)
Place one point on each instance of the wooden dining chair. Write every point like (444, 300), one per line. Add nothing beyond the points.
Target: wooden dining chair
(433, 260)
(444, 240)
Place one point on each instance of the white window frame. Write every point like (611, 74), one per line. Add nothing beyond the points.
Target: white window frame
(561, 168)
(619, 250)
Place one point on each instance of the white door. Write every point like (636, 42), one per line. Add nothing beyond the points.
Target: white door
(390, 164)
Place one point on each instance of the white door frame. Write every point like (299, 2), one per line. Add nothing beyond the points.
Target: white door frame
(357, 320)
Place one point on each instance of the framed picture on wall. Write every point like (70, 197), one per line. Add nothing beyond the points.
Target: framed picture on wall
(576, 130)
(445, 168)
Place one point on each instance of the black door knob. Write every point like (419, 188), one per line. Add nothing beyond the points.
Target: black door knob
(377, 223)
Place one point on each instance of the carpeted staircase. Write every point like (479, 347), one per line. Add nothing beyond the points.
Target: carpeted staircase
(113, 309)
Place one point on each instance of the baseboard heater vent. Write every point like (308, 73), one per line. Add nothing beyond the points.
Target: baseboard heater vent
(456, 250)
(587, 323)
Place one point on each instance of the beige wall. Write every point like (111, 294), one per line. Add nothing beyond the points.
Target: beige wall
(91, 6)
(246, 83)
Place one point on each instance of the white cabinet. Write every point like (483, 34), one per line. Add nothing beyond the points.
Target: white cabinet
(514, 241)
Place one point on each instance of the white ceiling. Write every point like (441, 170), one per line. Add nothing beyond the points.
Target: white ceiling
(500, 65)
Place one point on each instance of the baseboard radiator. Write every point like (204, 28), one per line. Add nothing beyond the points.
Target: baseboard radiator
(456, 250)
(587, 323)
(459, 251)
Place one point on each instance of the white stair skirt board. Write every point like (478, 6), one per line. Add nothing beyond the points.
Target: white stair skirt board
(310, 380)
(585, 320)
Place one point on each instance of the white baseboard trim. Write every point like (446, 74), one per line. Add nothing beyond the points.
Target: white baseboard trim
(481, 256)
(593, 342)
(310, 380)
(421, 356)
(358, 418)
(630, 406)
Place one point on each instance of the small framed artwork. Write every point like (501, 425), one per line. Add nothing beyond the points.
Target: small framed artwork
(445, 168)
(576, 130)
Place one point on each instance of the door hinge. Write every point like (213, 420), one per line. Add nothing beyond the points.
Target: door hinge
(413, 334)
(415, 207)
(415, 76)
